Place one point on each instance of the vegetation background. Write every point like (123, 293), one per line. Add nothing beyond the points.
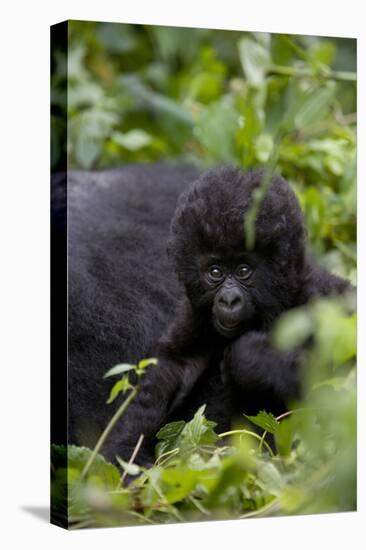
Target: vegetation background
(144, 93)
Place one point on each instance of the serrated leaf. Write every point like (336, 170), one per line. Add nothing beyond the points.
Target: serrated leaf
(170, 431)
(200, 430)
(119, 369)
(168, 437)
(187, 436)
(264, 420)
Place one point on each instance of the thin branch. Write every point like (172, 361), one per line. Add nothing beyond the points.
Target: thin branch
(297, 72)
(248, 432)
(133, 456)
(108, 430)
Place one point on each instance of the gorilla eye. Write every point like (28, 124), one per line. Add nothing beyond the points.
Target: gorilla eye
(243, 272)
(215, 273)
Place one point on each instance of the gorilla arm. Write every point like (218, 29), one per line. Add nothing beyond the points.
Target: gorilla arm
(163, 387)
(251, 363)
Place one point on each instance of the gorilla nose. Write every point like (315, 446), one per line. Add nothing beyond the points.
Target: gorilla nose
(231, 299)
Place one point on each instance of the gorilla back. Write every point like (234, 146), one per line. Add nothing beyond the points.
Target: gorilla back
(122, 290)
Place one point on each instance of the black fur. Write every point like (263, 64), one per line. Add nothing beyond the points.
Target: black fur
(123, 291)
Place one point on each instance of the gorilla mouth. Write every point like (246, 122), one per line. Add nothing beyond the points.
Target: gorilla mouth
(229, 323)
(229, 327)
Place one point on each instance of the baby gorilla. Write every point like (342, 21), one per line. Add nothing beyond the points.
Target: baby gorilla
(217, 351)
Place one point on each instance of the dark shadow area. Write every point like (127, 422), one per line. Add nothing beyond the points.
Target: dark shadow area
(40, 512)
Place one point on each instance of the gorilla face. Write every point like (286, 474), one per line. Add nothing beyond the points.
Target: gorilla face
(226, 285)
(236, 287)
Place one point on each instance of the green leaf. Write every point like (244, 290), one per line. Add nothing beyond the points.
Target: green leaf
(200, 430)
(337, 340)
(270, 479)
(314, 108)
(101, 471)
(119, 369)
(160, 103)
(284, 437)
(206, 87)
(168, 437)
(171, 431)
(187, 436)
(133, 140)
(87, 130)
(323, 52)
(337, 382)
(144, 363)
(117, 38)
(263, 147)
(130, 469)
(264, 420)
(234, 471)
(292, 329)
(255, 59)
(178, 483)
(216, 129)
(119, 387)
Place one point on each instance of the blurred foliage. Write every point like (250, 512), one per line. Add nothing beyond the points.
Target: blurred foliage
(139, 93)
(201, 475)
(144, 93)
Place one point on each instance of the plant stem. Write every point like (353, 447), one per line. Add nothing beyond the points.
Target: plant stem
(133, 456)
(108, 430)
(250, 217)
(253, 434)
(273, 505)
(344, 76)
(278, 418)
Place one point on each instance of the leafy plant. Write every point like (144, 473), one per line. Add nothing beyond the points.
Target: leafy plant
(303, 461)
(199, 96)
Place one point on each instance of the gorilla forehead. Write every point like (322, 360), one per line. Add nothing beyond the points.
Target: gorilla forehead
(210, 214)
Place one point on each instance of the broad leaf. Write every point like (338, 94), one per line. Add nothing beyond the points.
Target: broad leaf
(119, 369)
(292, 329)
(255, 59)
(315, 107)
(264, 420)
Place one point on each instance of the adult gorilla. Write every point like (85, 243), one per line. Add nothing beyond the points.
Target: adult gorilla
(214, 348)
(122, 289)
